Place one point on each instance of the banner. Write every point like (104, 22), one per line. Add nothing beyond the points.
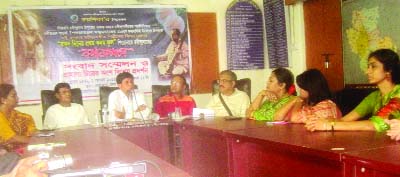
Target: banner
(88, 47)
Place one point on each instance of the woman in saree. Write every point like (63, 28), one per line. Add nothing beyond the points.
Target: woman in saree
(314, 101)
(384, 71)
(16, 127)
(268, 103)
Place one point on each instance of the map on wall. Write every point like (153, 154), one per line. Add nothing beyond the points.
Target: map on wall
(367, 25)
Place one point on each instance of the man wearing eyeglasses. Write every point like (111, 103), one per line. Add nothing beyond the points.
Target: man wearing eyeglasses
(65, 113)
(230, 101)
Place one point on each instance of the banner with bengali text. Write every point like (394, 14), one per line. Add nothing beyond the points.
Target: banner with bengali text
(87, 47)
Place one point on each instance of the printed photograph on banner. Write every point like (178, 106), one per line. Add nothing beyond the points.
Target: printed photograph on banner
(31, 67)
(80, 45)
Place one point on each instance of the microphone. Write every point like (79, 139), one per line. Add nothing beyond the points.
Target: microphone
(140, 112)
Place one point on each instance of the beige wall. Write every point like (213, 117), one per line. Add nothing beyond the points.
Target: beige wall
(258, 77)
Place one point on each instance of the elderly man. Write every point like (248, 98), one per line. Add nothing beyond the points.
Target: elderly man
(230, 101)
(175, 60)
(175, 99)
(32, 67)
(64, 113)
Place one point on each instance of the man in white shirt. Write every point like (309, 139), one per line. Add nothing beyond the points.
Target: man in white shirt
(64, 113)
(236, 101)
(126, 103)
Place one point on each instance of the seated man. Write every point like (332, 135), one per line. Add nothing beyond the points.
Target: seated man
(176, 98)
(65, 113)
(175, 60)
(236, 101)
(125, 103)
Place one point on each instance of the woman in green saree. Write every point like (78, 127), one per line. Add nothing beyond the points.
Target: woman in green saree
(278, 92)
(383, 104)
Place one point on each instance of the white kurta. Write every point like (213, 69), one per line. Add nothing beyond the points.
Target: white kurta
(58, 116)
(238, 102)
(118, 101)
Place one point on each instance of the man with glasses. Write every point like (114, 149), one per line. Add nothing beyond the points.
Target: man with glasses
(230, 101)
(175, 99)
(64, 113)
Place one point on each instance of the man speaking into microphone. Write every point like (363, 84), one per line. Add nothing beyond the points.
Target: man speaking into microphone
(126, 103)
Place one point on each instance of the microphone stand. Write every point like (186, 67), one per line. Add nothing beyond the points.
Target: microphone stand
(140, 112)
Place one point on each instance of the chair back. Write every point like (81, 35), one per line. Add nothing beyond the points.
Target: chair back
(104, 93)
(49, 98)
(241, 84)
(349, 97)
(158, 91)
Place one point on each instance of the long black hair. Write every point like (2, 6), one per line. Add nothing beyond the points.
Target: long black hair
(390, 61)
(314, 82)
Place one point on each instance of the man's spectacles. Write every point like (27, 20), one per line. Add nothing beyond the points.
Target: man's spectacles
(219, 81)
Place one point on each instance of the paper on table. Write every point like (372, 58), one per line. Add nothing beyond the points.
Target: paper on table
(276, 122)
(203, 113)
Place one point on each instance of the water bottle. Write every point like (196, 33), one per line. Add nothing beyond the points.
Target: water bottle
(104, 114)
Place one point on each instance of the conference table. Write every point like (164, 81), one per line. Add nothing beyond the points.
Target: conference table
(284, 150)
(219, 147)
(379, 162)
(157, 138)
(204, 145)
(234, 148)
(96, 147)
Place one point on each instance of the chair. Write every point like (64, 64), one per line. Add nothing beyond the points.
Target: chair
(158, 91)
(349, 97)
(49, 98)
(241, 84)
(104, 93)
